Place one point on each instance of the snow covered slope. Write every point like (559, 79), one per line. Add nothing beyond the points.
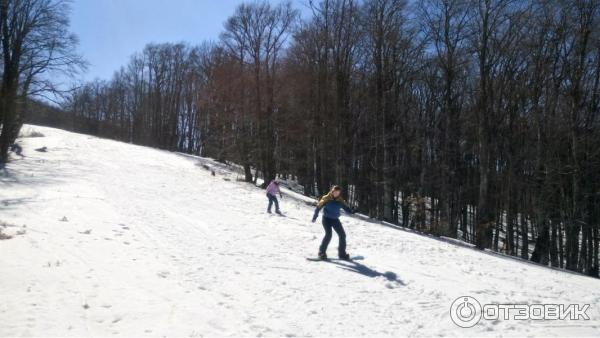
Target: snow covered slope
(115, 239)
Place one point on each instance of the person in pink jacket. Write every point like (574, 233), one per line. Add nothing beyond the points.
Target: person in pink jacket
(272, 191)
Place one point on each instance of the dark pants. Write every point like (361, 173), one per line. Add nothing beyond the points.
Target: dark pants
(334, 223)
(272, 199)
(17, 149)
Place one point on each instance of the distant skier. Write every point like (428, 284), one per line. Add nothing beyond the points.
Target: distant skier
(17, 149)
(272, 191)
(332, 203)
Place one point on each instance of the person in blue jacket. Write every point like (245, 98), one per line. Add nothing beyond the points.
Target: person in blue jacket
(332, 203)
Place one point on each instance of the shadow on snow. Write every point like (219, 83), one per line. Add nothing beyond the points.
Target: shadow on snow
(362, 269)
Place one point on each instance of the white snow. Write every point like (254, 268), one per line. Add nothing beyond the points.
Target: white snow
(116, 239)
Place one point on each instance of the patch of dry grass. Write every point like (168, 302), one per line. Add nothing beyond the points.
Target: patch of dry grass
(4, 236)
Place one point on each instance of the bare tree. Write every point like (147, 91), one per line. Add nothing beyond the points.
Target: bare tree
(35, 43)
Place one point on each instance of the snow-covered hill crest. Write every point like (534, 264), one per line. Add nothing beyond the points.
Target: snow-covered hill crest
(114, 239)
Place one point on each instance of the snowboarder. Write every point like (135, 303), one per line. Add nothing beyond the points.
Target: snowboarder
(272, 191)
(332, 202)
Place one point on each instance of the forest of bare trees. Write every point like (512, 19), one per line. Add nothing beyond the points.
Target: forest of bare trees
(471, 119)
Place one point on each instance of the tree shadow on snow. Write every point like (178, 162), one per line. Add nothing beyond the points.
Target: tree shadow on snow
(31, 172)
(354, 266)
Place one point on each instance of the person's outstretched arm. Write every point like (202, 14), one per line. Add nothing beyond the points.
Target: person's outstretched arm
(347, 208)
(316, 215)
(320, 206)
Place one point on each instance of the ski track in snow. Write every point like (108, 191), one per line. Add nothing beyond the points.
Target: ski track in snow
(127, 240)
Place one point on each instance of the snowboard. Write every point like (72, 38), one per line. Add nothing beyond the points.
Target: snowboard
(353, 258)
(276, 214)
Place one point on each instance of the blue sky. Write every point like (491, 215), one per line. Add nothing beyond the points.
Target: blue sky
(110, 31)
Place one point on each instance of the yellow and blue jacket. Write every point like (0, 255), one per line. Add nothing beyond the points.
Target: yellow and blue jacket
(331, 206)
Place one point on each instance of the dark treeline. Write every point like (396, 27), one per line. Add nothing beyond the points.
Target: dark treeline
(474, 119)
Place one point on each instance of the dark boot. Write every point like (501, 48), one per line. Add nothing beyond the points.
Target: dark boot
(344, 256)
(323, 256)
